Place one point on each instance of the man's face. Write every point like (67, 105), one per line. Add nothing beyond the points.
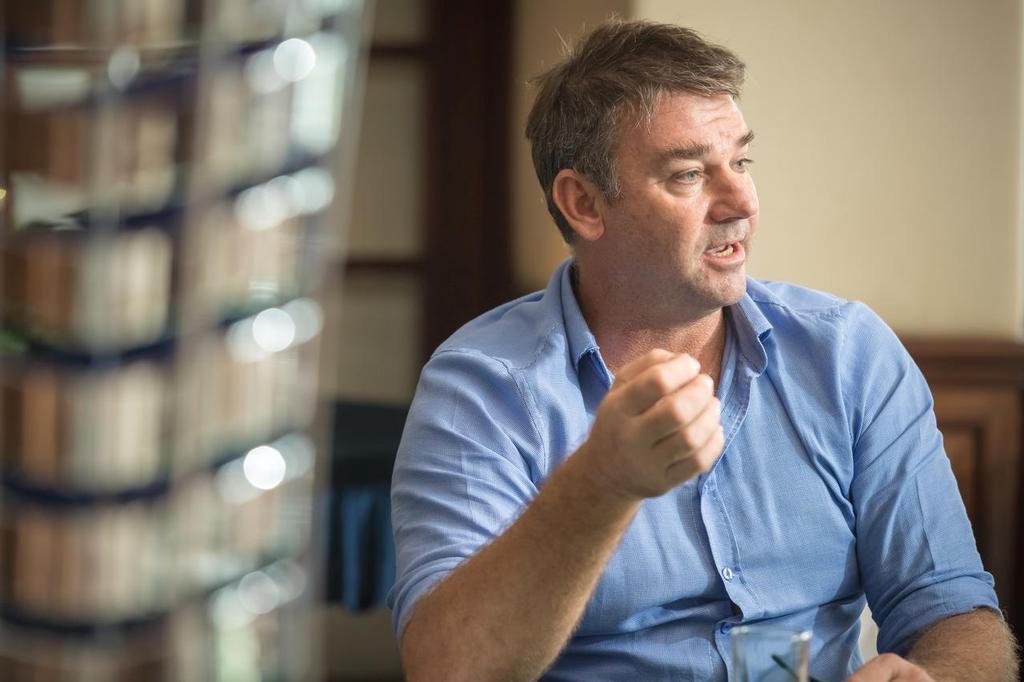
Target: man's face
(688, 208)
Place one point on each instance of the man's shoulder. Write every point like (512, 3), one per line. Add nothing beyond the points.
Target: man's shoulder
(819, 320)
(513, 334)
(794, 299)
(789, 306)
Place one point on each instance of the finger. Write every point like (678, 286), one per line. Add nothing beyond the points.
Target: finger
(679, 409)
(641, 363)
(889, 668)
(695, 462)
(692, 439)
(657, 381)
(694, 435)
(875, 670)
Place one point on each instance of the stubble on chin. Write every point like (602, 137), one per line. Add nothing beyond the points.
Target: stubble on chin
(715, 290)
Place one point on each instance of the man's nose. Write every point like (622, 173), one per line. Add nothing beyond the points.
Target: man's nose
(735, 198)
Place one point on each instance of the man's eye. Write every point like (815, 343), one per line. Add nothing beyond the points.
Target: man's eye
(687, 177)
(743, 164)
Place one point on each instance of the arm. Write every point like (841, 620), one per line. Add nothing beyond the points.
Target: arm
(507, 611)
(976, 647)
(920, 568)
(970, 647)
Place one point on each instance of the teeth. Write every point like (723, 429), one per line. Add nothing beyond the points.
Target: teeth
(723, 252)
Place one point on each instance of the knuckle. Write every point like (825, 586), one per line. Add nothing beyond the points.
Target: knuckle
(708, 417)
(679, 412)
(698, 390)
(690, 439)
(661, 380)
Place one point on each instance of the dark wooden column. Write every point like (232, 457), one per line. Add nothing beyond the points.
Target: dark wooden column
(467, 261)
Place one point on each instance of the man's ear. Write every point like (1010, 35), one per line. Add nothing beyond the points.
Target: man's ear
(579, 200)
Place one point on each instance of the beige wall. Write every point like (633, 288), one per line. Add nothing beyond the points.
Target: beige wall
(540, 27)
(889, 153)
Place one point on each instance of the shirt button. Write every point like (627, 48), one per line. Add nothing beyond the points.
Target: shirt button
(727, 573)
(724, 629)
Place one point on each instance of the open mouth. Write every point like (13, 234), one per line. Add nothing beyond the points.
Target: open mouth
(722, 251)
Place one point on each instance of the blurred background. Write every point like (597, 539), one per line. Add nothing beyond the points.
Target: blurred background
(308, 233)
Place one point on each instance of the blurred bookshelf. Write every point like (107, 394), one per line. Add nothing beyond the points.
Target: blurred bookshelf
(171, 172)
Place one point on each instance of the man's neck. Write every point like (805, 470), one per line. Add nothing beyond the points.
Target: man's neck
(626, 329)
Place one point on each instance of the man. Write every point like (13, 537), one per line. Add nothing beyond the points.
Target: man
(598, 481)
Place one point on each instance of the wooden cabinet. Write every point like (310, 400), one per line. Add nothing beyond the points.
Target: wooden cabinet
(979, 403)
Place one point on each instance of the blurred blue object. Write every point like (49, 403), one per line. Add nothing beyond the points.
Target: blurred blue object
(361, 555)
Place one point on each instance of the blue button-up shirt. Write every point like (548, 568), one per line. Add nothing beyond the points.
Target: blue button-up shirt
(833, 485)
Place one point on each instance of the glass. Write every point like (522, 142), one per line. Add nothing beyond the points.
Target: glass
(763, 653)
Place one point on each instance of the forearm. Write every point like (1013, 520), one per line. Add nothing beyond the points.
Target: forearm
(971, 647)
(508, 611)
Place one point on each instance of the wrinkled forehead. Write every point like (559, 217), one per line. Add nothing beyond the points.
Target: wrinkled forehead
(677, 119)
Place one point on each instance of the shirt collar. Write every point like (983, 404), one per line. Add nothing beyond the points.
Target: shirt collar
(581, 339)
(751, 326)
(752, 329)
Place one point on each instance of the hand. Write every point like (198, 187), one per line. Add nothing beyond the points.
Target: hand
(658, 426)
(890, 668)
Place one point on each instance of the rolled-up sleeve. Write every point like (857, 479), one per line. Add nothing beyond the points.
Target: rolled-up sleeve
(462, 473)
(915, 548)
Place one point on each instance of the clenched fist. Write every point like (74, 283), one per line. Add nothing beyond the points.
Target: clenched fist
(658, 426)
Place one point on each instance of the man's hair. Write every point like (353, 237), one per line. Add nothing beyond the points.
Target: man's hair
(620, 69)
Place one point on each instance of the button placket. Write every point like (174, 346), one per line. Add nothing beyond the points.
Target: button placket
(723, 544)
